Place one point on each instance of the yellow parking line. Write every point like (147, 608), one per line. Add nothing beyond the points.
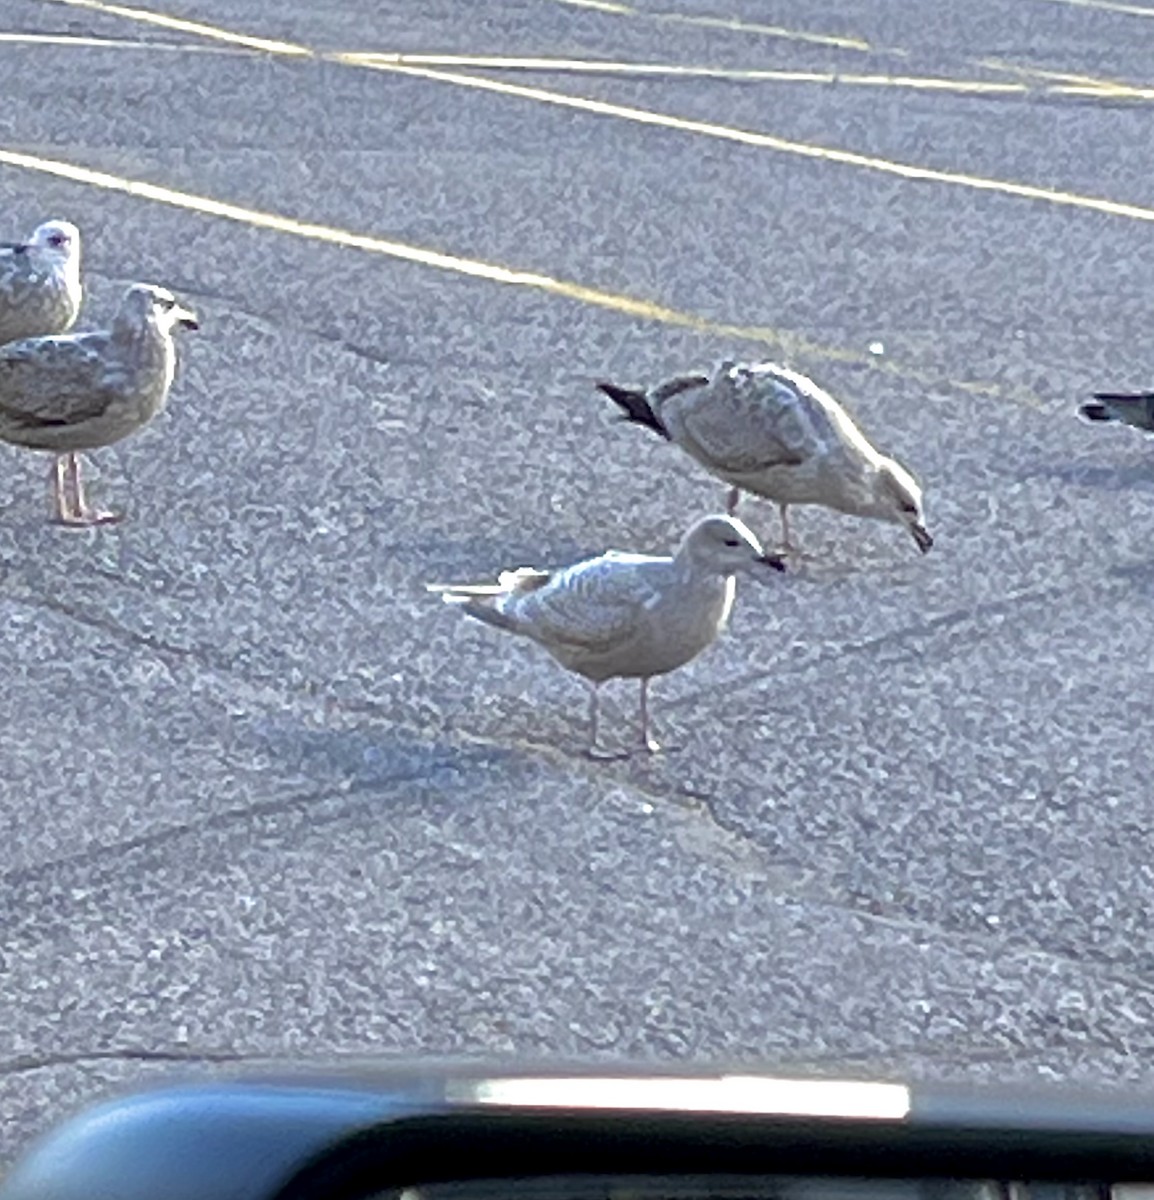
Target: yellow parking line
(708, 22)
(1134, 10)
(1088, 86)
(781, 341)
(767, 141)
(194, 27)
(607, 67)
(649, 117)
(68, 39)
(493, 272)
(1075, 84)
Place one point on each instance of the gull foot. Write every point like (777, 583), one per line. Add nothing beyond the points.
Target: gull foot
(601, 754)
(86, 519)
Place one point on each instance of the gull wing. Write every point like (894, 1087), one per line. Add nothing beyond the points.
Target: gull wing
(54, 381)
(594, 606)
(753, 419)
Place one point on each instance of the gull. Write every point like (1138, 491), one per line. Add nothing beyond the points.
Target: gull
(623, 615)
(40, 282)
(773, 432)
(84, 390)
(1126, 408)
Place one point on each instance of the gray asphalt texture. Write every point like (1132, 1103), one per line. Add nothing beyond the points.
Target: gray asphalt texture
(265, 798)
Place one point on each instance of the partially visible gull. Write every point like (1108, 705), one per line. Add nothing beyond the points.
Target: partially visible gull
(40, 283)
(84, 390)
(775, 433)
(1125, 408)
(623, 615)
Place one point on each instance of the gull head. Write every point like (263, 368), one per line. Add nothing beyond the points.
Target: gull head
(145, 303)
(58, 242)
(725, 545)
(897, 498)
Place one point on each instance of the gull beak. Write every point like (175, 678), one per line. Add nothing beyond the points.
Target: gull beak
(776, 561)
(922, 536)
(185, 318)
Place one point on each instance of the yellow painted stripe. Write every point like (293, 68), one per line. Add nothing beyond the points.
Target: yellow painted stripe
(1079, 84)
(1134, 10)
(648, 117)
(629, 305)
(603, 67)
(147, 17)
(1085, 85)
(782, 342)
(767, 141)
(708, 22)
(67, 39)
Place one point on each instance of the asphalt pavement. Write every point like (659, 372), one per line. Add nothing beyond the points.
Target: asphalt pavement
(264, 798)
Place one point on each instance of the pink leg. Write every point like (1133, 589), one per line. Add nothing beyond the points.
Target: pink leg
(81, 513)
(651, 744)
(595, 750)
(61, 502)
(786, 544)
(732, 501)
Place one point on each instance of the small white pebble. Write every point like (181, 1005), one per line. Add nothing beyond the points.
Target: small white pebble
(877, 348)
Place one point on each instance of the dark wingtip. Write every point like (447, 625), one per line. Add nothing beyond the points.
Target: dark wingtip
(1094, 412)
(635, 407)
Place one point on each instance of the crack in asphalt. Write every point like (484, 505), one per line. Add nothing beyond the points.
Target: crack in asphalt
(282, 323)
(24, 1064)
(738, 844)
(900, 637)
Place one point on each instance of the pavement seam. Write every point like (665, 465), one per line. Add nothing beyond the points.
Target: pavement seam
(24, 1064)
(943, 622)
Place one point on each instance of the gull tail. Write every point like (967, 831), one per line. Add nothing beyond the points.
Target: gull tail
(635, 407)
(1127, 408)
(483, 601)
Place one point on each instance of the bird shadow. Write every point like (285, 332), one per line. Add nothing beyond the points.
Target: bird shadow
(378, 756)
(1138, 575)
(1114, 477)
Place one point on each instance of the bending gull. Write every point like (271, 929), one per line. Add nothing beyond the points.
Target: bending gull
(1124, 408)
(773, 432)
(84, 390)
(40, 283)
(623, 615)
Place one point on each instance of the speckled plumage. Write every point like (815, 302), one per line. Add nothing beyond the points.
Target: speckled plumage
(80, 391)
(773, 432)
(623, 615)
(40, 289)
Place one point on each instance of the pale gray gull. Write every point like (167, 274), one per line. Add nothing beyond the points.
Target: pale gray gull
(40, 282)
(84, 390)
(773, 432)
(623, 615)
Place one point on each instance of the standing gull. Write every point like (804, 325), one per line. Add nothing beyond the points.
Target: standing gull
(40, 283)
(775, 433)
(1125, 408)
(623, 615)
(84, 390)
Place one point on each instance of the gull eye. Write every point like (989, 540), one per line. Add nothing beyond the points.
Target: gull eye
(912, 509)
(732, 542)
(57, 240)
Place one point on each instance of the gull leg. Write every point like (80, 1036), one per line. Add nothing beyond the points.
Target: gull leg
(62, 507)
(786, 544)
(650, 743)
(732, 501)
(81, 514)
(595, 750)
